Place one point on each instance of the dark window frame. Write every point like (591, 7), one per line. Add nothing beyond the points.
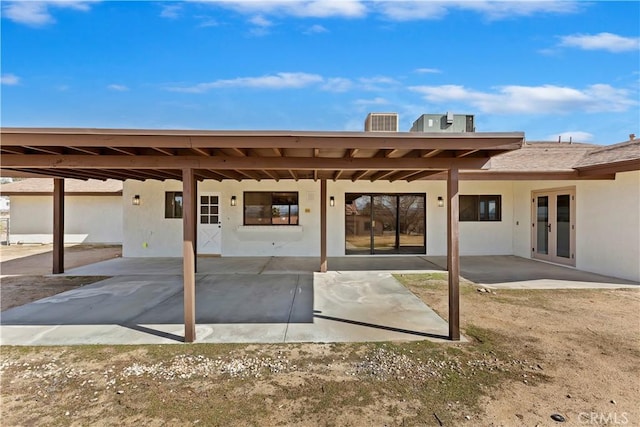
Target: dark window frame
(272, 206)
(175, 210)
(476, 201)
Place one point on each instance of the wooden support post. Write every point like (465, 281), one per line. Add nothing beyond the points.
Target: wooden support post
(58, 225)
(188, 254)
(323, 225)
(195, 225)
(453, 254)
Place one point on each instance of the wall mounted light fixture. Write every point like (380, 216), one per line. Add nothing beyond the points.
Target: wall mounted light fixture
(136, 200)
(332, 201)
(440, 202)
(233, 200)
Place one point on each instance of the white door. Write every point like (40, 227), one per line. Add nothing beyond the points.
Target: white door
(553, 226)
(209, 224)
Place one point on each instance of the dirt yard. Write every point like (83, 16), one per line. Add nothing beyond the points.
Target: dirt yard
(23, 270)
(531, 355)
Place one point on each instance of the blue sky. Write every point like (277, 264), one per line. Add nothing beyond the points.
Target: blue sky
(545, 68)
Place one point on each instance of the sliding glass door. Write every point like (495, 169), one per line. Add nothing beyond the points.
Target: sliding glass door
(385, 224)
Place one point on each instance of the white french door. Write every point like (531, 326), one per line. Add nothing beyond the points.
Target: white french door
(553, 234)
(209, 224)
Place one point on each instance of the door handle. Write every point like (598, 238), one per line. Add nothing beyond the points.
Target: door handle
(549, 226)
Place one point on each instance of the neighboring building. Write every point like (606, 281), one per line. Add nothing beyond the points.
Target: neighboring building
(4, 204)
(93, 210)
(448, 122)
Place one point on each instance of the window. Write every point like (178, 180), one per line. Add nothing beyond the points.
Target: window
(480, 208)
(266, 208)
(173, 204)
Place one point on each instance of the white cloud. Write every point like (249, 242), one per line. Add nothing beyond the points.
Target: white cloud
(9, 79)
(38, 13)
(602, 41)
(316, 29)
(171, 11)
(274, 81)
(533, 99)
(260, 21)
(368, 102)
(337, 84)
(118, 88)
(396, 10)
(493, 10)
(428, 71)
(298, 8)
(575, 136)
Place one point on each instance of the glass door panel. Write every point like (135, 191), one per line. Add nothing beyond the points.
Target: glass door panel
(563, 225)
(553, 235)
(358, 224)
(542, 234)
(384, 225)
(411, 223)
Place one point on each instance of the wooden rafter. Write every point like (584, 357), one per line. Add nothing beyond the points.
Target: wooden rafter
(358, 174)
(88, 150)
(380, 175)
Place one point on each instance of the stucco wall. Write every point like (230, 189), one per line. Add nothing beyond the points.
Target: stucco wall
(607, 223)
(88, 219)
(148, 233)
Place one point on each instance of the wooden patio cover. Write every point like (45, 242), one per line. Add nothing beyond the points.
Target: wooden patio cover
(190, 156)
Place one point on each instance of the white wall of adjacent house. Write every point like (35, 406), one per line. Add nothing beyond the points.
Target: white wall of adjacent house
(88, 219)
(149, 234)
(607, 223)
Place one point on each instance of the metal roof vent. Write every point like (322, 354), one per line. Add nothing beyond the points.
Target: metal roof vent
(381, 122)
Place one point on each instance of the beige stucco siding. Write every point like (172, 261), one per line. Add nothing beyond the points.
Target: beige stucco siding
(607, 223)
(148, 233)
(88, 219)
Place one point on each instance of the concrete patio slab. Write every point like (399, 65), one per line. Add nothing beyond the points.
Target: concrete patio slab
(512, 272)
(239, 308)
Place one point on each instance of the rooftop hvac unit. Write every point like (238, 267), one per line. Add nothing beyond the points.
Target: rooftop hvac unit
(381, 122)
(449, 118)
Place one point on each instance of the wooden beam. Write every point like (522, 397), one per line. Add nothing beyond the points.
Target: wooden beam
(48, 150)
(430, 153)
(293, 174)
(358, 174)
(250, 174)
(234, 163)
(421, 175)
(397, 176)
(262, 139)
(125, 150)
(88, 150)
(189, 254)
(165, 151)
(207, 174)
(464, 153)
(13, 150)
(337, 174)
(323, 226)
(201, 151)
(453, 254)
(277, 151)
(58, 226)
(351, 153)
(272, 174)
(381, 174)
(239, 151)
